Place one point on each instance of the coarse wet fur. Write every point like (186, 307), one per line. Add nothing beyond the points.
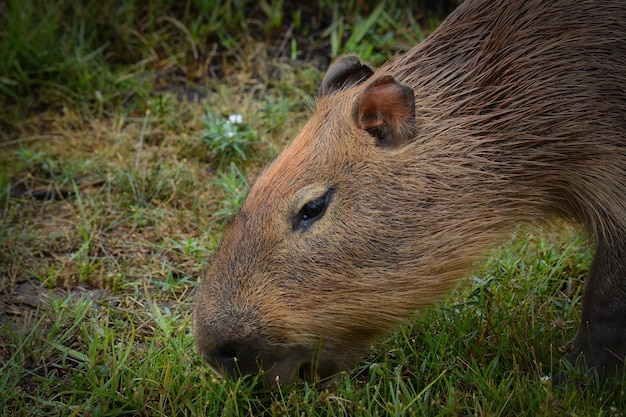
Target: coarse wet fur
(511, 112)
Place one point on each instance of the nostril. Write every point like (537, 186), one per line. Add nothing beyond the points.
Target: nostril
(236, 358)
(226, 355)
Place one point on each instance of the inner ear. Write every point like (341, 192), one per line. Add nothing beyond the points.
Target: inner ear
(345, 72)
(386, 110)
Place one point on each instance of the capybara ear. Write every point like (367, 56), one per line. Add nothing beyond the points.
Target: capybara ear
(386, 110)
(345, 72)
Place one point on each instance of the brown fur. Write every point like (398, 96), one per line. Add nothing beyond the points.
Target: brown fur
(512, 112)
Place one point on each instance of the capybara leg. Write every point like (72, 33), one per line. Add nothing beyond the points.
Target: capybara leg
(601, 338)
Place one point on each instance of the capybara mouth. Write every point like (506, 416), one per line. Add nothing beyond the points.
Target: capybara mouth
(273, 369)
(307, 372)
(288, 370)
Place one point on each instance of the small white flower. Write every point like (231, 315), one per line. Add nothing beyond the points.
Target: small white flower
(235, 118)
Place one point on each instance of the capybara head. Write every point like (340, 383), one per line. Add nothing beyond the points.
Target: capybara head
(403, 177)
(294, 286)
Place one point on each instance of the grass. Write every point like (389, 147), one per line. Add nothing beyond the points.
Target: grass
(129, 136)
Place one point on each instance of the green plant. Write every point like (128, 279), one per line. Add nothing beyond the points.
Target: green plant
(234, 186)
(227, 138)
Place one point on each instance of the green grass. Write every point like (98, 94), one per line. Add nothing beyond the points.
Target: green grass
(118, 174)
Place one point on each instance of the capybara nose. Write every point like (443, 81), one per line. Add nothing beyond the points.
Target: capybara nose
(225, 357)
(235, 358)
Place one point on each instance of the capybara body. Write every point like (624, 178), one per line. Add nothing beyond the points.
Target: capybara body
(512, 112)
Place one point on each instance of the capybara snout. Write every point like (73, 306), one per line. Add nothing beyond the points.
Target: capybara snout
(511, 112)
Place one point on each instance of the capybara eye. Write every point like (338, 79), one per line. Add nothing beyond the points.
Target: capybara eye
(312, 211)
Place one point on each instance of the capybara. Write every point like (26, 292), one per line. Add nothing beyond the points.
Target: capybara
(511, 112)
